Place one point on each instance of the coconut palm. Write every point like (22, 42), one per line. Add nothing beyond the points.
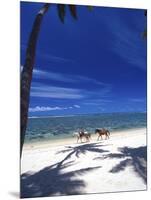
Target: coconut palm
(26, 76)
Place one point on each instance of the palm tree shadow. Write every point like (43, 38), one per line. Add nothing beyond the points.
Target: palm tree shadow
(135, 157)
(52, 180)
(82, 149)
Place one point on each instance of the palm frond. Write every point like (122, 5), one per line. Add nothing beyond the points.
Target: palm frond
(73, 11)
(61, 12)
(90, 8)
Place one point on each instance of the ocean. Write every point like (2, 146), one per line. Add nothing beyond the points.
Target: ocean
(57, 127)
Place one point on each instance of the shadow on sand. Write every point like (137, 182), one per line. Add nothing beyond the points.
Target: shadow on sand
(135, 157)
(52, 180)
(83, 149)
(55, 180)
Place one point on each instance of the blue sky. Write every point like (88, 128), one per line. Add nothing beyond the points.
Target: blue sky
(95, 64)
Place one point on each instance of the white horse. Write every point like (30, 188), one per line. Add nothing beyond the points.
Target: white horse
(76, 134)
(81, 135)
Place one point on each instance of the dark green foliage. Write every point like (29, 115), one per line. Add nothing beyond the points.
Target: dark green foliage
(73, 11)
(72, 8)
(61, 12)
(90, 8)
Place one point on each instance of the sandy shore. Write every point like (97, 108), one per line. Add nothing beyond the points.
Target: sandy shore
(64, 167)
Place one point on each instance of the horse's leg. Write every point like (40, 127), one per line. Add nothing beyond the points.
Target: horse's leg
(89, 137)
(98, 138)
(107, 136)
(77, 139)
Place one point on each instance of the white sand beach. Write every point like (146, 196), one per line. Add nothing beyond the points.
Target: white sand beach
(64, 167)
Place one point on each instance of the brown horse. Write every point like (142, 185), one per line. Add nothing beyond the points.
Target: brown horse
(101, 132)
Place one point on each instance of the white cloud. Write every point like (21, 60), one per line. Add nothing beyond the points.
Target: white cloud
(47, 56)
(97, 102)
(47, 108)
(76, 106)
(46, 91)
(56, 92)
(56, 76)
(138, 100)
(42, 108)
(52, 76)
(127, 40)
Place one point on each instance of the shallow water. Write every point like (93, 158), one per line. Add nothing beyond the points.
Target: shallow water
(45, 128)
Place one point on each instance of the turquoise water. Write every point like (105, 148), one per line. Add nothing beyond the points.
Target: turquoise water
(45, 128)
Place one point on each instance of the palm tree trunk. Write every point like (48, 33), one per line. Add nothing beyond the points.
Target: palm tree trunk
(26, 75)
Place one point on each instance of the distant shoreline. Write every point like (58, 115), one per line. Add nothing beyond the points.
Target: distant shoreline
(80, 114)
